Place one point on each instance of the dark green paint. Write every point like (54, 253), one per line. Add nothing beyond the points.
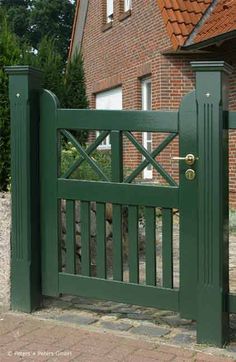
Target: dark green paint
(70, 237)
(143, 121)
(231, 120)
(117, 262)
(150, 245)
(188, 208)
(133, 254)
(88, 151)
(85, 155)
(232, 303)
(50, 205)
(144, 295)
(117, 176)
(124, 194)
(24, 90)
(154, 154)
(212, 318)
(167, 248)
(101, 240)
(85, 238)
(116, 156)
(202, 123)
(150, 160)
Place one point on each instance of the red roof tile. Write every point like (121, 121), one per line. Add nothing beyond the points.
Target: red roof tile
(222, 20)
(181, 17)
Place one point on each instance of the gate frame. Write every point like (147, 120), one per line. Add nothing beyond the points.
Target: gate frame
(211, 84)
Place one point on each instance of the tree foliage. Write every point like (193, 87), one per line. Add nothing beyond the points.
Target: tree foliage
(32, 20)
(17, 12)
(68, 85)
(49, 60)
(53, 19)
(74, 90)
(10, 54)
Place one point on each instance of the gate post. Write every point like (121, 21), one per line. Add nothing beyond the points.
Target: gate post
(24, 88)
(212, 104)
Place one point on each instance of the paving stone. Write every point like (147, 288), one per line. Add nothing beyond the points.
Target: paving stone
(67, 298)
(204, 357)
(100, 346)
(152, 331)
(93, 308)
(231, 348)
(116, 326)
(139, 316)
(120, 353)
(191, 329)
(183, 338)
(177, 351)
(80, 300)
(58, 303)
(76, 318)
(162, 313)
(123, 310)
(175, 321)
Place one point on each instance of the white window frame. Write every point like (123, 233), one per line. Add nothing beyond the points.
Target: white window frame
(109, 10)
(106, 144)
(127, 5)
(147, 136)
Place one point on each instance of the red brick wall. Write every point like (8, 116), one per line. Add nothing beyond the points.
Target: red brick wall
(133, 48)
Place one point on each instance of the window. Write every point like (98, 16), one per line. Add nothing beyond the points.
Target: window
(109, 11)
(111, 100)
(147, 136)
(127, 5)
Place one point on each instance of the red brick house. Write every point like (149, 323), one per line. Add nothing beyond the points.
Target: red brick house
(137, 55)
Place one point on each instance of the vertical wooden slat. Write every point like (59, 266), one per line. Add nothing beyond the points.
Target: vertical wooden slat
(117, 242)
(117, 176)
(101, 241)
(116, 156)
(150, 230)
(70, 237)
(133, 244)
(85, 238)
(167, 248)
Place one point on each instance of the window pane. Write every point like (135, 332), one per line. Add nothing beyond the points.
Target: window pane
(127, 5)
(149, 96)
(111, 99)
(109, 9)
(147, 136)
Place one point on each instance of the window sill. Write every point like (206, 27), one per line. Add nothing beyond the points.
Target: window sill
(107, 26)
(125, 15)
(104, 147)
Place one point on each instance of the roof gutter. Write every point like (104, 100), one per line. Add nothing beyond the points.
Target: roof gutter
(78, 27)
(212, 41)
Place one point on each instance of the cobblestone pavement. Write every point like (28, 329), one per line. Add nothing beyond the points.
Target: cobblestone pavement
(30, 338)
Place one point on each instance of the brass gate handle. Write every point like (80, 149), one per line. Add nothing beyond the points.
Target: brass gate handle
(189, 159)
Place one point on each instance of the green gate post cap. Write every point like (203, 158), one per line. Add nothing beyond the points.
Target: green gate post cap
(206, 66)
(23, 69)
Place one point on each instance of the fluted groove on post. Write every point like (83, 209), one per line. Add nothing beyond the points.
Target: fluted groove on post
(212, 315)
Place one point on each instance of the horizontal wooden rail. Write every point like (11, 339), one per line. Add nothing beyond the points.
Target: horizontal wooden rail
(117, 193)
(138, 121)
(144, 295)
(232, 120)
(232, 303)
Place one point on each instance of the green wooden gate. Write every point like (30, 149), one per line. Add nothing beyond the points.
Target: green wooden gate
(38, 186)
(118, 191)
